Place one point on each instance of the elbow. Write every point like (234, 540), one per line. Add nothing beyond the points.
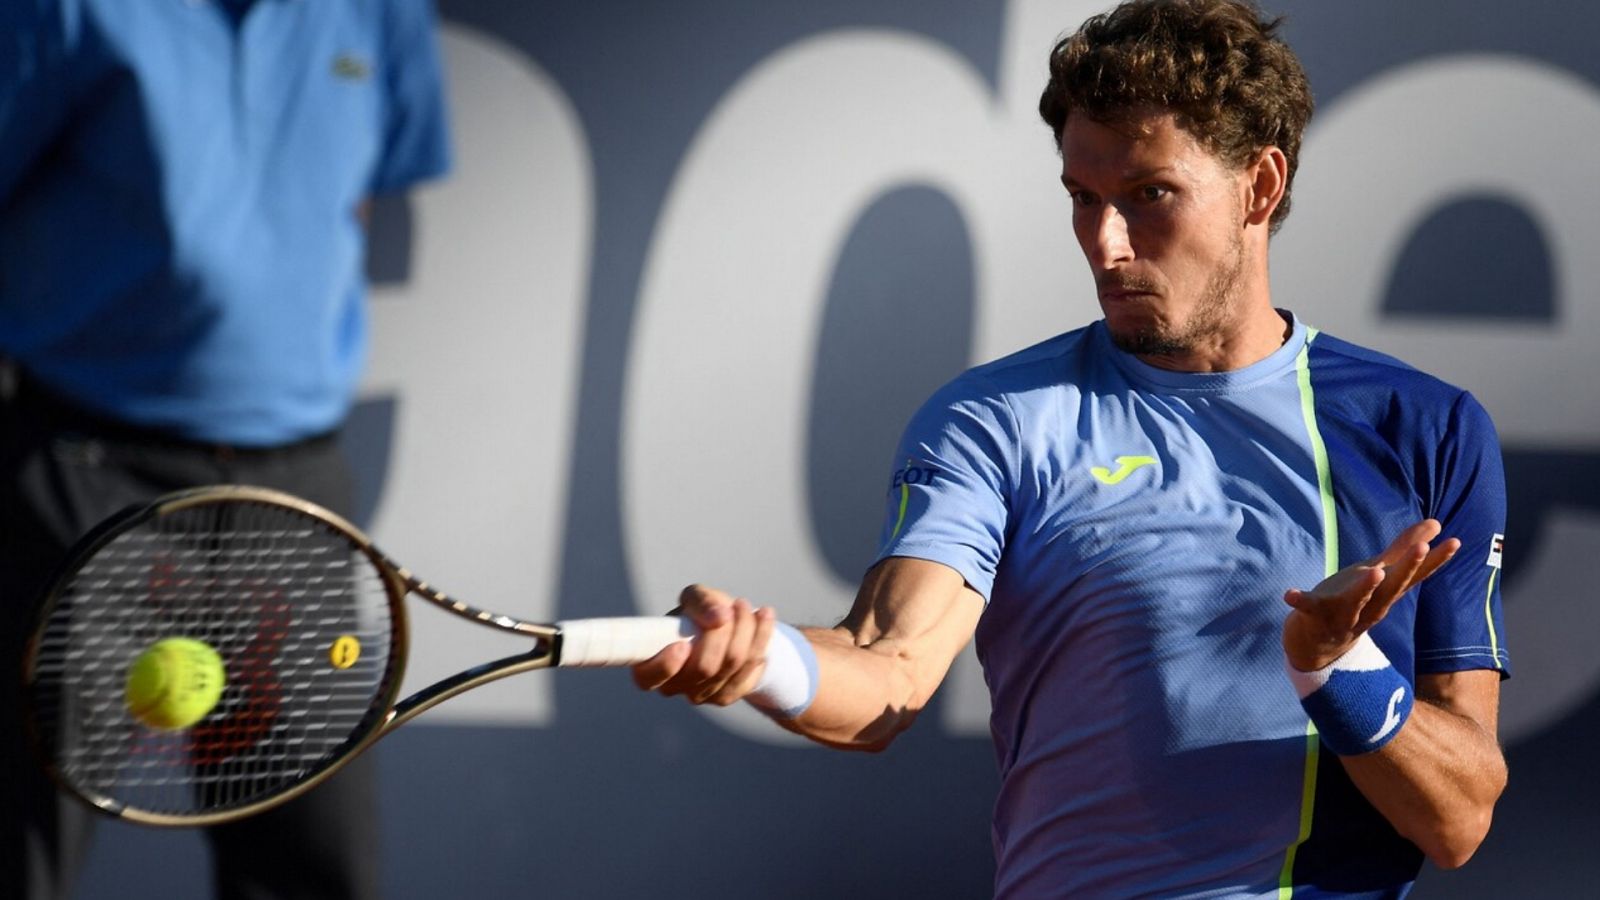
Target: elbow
(1452, 850)
(871, 740)
(878, 733)
(905, 697)
(877, 737)
(1450, 862)
(1452, 841)
(873, 706)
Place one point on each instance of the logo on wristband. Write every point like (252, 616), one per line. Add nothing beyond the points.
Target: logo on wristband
(1391, 719)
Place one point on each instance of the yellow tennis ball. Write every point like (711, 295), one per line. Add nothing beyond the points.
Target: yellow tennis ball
(174, 683)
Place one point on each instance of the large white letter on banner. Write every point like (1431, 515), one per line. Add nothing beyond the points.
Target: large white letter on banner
(1375, 165)
(735, 285)
(481, 348)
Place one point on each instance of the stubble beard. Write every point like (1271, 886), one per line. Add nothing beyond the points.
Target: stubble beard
(1208, 321)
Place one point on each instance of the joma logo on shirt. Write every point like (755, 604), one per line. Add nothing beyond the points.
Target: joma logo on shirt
(1125, 467)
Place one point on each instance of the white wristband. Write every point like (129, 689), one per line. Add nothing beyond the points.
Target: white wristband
(1363, 656)
(789, 683)
(1358, 702)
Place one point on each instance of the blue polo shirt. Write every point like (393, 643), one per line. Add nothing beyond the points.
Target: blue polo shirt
(179, 183)
(1133, 530)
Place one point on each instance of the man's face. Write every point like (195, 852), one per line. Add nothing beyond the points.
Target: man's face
(1161, 222)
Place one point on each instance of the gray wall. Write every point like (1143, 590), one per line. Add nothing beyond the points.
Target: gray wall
(700, 260)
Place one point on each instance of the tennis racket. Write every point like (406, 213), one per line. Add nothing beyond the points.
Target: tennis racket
(309, 620)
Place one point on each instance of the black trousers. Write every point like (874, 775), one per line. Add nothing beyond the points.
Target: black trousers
(61, 472)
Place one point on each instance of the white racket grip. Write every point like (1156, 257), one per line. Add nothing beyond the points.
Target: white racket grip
(620, 641)
(788, 683)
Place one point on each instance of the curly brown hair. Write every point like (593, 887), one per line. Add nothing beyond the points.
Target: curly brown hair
(1216, 64)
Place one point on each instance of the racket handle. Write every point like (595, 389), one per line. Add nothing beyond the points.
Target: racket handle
(787, 685)
(620, 641)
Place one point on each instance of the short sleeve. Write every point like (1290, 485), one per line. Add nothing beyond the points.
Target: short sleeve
(948, 494)
(416, 142)
(1460, 624)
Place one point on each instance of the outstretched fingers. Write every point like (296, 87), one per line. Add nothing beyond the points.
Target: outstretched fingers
(1422, 532)
(1329, 618)
(1416, 558)
(1341, 596)
(1397, 578)
(1440, 554)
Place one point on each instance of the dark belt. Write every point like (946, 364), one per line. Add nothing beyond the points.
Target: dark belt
(31, 400)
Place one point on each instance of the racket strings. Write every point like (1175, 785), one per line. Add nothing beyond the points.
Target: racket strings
(273, 590)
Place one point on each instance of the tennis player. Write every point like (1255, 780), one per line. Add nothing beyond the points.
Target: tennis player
(1202, 547)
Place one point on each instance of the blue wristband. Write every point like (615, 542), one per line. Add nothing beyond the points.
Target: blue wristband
(1358, 702)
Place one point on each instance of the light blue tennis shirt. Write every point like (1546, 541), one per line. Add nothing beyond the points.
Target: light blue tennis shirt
(179, 184)
(1133, 530)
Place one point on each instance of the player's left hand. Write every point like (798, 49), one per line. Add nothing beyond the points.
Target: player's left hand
(1326, 620)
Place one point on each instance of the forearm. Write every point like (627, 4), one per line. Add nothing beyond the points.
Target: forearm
(882, 664)
(1425, 755)
(854, 686)
(867, 691)
(1436, 782)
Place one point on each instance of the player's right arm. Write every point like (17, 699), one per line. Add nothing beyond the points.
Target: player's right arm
(875, 670)
(945, 519)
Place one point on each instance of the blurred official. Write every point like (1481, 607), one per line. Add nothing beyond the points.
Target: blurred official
(182, 195)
